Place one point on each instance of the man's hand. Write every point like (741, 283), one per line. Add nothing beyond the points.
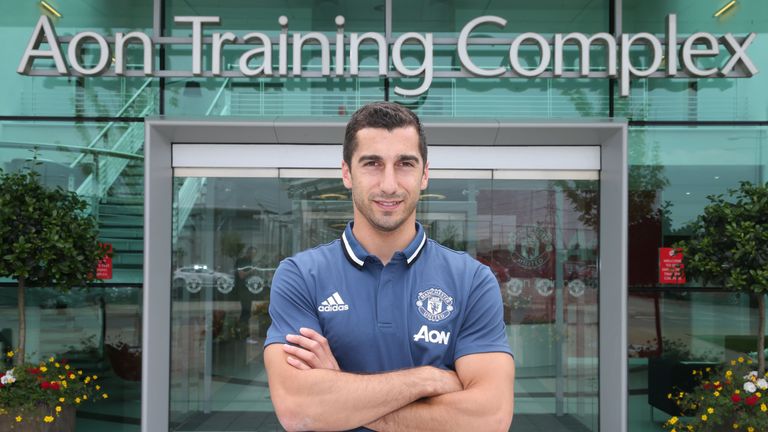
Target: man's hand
(310, 350)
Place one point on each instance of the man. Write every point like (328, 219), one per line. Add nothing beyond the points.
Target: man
(385, 329)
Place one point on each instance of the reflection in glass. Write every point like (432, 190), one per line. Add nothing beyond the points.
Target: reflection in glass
(231, 234)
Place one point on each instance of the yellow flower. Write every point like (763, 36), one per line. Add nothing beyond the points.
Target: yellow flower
(64, 384)
(71, 376)
(673, 430)
(77, 400)
(62, 400)
(750, 429)
(48, 419)
(763, 408)
(703, 417)
(728, 374)
(98, 387)
(87, 380)
(733, 362)
(758, 394)
(710, 410)
(708, 369)
(717, 393)
(85, 397)
(749, 361)
(66, 367)
(18, 419)
(737, 391)
(79, 372)
(43, 369)
(741, 359)
(51, 359)
(95, 377)
(669, 395)
(735, 425)
(56, 364)
(58, 409)
(673, 420)
(9, 354)
(105, 396)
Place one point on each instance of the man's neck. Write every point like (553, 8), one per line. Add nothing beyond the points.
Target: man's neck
(383, 244)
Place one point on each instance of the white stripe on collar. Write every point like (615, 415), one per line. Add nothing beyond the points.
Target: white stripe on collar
(418, 249)
(349, 250)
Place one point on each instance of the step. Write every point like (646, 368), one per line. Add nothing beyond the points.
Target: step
(121, 209)
(121, 220)
(122, 232)
(123, 200)
(125, 258)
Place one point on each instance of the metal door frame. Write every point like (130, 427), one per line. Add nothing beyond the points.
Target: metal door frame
(162, 134)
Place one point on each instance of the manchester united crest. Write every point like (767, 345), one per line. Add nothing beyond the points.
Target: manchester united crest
(531, 246)
(434, 304)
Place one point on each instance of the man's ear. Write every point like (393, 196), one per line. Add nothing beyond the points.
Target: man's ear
(346, 175)
(425, 176)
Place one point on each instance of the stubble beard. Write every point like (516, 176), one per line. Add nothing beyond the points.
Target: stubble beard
(383, 223)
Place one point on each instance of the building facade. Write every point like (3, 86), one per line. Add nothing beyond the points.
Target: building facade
(565, 173)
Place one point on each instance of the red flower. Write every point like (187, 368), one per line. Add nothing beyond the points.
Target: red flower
(707, 386)
(45, 385)
(736, 398)
(751, 400)
(55, 385)
(33, 371)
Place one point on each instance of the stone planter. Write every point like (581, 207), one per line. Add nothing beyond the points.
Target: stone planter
(32, 421)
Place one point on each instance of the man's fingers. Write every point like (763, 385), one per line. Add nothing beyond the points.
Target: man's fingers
(312, 348)
(310, 333)
(298, 364)
(323, 344)
(308, 357)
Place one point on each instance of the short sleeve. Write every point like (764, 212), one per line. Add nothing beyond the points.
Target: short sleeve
(291, 304)
(483, 329)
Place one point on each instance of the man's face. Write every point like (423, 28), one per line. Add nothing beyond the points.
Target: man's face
(386, 177)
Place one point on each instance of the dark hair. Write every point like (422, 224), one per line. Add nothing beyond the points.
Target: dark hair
(382, 115)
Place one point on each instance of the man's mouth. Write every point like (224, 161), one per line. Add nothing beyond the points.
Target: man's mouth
(388, 204)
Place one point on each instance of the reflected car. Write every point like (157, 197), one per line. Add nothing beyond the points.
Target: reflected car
(195, 278)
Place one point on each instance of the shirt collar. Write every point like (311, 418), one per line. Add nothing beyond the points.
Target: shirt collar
(356, 253)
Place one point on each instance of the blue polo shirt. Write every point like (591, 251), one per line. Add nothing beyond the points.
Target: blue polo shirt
(429, 305)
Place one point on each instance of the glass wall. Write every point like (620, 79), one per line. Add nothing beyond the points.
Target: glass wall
(97, 328)
(534, 234)
(672, 171)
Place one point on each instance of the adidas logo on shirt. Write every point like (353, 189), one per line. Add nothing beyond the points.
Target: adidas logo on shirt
(333, 303)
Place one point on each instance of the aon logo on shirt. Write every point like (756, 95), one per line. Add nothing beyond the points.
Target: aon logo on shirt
(432, 336)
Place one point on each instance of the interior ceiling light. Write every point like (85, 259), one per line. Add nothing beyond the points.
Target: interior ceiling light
(330, 196)
(53, 10)
(432, 196)
(725, 8)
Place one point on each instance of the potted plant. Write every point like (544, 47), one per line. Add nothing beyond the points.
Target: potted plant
(729, 247)
(47, 239)
(43, 396)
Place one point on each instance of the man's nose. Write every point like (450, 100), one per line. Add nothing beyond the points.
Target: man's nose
(389, 181)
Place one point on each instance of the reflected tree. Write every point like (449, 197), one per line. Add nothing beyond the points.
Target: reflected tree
(729, 247)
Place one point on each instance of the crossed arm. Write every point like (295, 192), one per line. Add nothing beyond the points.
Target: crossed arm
(311, 393)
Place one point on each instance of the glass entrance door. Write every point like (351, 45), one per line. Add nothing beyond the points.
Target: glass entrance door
(536, 230)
